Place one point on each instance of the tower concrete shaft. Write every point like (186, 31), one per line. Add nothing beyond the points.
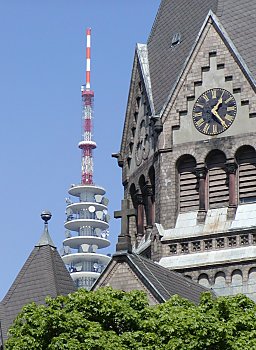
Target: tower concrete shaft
(87, 219)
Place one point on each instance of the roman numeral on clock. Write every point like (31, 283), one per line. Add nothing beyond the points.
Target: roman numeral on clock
(205, 97)
(214, 93)
(206, 128)
(230, 118)
(229, 99)
(214, 129)
(199, 122)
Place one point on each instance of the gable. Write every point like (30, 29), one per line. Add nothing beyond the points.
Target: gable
(166, 61)
(119, 275)
(136, 145)
(215, 63)
(185, 17)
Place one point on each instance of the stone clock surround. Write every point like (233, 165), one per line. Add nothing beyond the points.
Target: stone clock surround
(214, 78)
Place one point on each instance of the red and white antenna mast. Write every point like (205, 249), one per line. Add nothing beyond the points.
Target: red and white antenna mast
(87, 144)
(88, 218)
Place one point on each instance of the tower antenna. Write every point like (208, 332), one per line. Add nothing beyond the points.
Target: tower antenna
(87, 220)
(87, 144)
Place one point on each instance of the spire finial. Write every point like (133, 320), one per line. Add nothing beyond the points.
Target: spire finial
(46, 216)
(45, 238)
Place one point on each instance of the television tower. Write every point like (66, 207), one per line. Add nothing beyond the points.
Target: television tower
(87, 219)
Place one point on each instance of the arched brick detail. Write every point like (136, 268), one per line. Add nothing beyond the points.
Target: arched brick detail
(241, 143)
(219, 280)
(203, 279)
(184, 153)
(237, 281)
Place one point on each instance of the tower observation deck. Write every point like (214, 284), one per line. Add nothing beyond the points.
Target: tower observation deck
(87, 218)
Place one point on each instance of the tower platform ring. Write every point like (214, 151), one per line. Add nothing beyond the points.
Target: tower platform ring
(83, 144)
(81, 257)
(77, 190)
(76, 241)
(76, 224)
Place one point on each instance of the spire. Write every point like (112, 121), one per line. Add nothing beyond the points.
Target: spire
(42, 275)
(45, 238)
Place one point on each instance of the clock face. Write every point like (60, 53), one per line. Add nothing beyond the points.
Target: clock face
(214, 111)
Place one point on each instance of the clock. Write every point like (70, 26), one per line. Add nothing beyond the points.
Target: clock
(214, 111)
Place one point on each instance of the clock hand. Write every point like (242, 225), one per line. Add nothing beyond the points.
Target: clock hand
(214, 112)
(218, 103)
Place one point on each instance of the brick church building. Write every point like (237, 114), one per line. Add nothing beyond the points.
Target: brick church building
(188, 160)
(187, 153)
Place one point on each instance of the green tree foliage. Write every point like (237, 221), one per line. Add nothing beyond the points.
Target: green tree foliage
(114, 320)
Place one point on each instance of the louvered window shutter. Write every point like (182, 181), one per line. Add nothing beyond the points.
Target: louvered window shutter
(188, 185)
(246, 159)
(218, 191)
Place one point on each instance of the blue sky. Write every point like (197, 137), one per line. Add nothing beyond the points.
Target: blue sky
(42, 66)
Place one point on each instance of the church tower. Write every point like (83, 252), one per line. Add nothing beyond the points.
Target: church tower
(188, 154)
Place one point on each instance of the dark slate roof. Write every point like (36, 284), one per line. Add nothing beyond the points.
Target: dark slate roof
(187, 17)
(238, 18)
(167, 283)
(160, 281)
(43, 274)
(1, 326)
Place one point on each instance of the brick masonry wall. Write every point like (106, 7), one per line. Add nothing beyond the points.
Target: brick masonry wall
(227, 279)
(122, 277)
(209, 43)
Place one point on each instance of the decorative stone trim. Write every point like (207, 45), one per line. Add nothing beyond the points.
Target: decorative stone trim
(202, 245)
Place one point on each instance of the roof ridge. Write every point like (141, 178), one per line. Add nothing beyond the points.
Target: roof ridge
(144, 264)
(174, 273)
(142, 53)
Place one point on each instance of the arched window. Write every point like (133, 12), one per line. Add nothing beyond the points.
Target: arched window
(219, 282)
(203, 280)
(218, 191)
(237, 282)
(246, 160)
(188, 184)
(252, 281)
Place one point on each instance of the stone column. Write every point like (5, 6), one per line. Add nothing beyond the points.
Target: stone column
(148, 190)
(140, 216)
(231, 171)
(201, 175)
